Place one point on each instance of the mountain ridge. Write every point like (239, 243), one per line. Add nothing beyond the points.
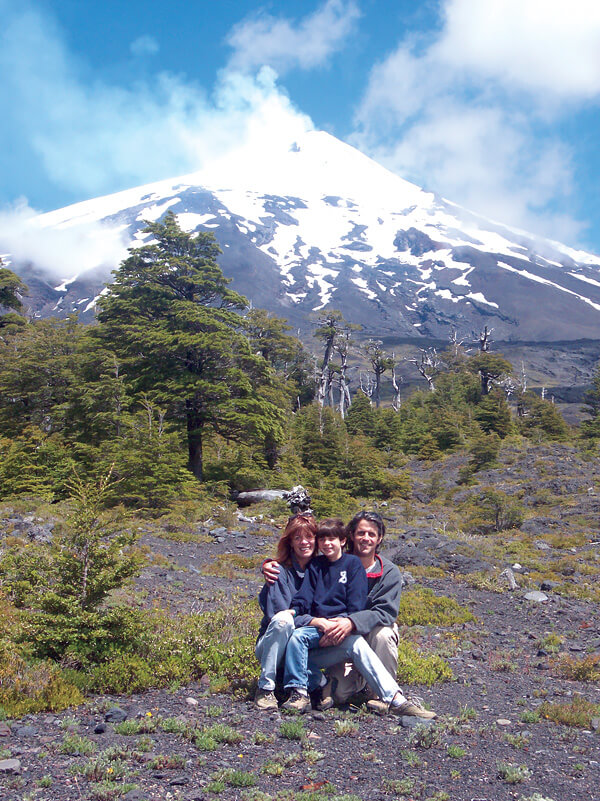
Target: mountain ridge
(316, 223)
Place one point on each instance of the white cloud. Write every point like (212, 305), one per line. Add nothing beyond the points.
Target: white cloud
(266, 40)
(61, 253)
(470, 115)
(144, 46)
(95, 138)
(549, 45)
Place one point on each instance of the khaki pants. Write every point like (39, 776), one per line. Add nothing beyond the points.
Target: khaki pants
(384, 641)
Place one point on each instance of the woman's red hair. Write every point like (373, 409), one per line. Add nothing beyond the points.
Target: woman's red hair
(303, 523)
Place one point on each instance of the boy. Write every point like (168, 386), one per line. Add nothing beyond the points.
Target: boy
(335, 585)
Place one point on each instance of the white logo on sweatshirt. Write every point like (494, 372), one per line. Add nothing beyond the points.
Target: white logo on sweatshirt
(343, 577)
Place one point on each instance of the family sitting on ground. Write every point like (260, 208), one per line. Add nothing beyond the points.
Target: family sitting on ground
(330, 620)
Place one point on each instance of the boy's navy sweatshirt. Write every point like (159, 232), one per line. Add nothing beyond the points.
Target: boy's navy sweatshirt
(331, 589)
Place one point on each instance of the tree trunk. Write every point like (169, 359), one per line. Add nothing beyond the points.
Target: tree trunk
(194, 436)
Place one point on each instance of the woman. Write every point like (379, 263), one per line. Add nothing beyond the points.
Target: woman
(295, 549)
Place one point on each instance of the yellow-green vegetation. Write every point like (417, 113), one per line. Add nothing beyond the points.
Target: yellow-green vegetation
(551, 642)
(292, 729)
(345, 728)
(578, 712)
(419, 606)
(225, 565)
(32, 686)
(585, 669)
(513, 774)
(415, 668)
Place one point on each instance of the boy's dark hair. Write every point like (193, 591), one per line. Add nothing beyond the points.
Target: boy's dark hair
(333, 527)
(371, 517)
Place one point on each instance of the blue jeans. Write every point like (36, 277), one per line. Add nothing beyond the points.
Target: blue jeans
(356, 649)
(270, 648)
(297, 673)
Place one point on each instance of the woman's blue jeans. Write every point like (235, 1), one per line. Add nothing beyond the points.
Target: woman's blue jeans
(270, 648)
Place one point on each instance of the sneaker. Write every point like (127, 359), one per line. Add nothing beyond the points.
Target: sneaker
(412, 707)
(297, 702)
(265, 699)
(326, 700)
(378, 707)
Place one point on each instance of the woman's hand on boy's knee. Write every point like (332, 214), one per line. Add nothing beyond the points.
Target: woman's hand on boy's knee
(338, 628)
(270, 570)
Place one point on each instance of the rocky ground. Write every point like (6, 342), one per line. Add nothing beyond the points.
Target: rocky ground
(494, 739)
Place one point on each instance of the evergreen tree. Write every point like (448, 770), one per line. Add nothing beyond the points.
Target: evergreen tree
(38, 365)
(174, 323)
(360, 417)
(11, 290)
(493, 414)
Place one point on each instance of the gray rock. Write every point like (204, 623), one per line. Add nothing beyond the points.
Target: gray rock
(4, 729)
(412, 721)
(100, 728)
(542, 546)
(26, 731)
(218, 532)
(548, 585)
(134, 795)
(595, 724)
(10, 766)
(116, 715)
(536, 596)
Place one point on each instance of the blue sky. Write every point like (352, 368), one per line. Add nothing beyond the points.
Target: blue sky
(494, 104)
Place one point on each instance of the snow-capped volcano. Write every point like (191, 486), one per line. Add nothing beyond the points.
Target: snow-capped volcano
(317, 223)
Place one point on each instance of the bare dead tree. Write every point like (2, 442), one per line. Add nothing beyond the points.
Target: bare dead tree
(342, 347)
(485, 340)
(380, 362)
(427, 366)
(366, 384)
(396, 383)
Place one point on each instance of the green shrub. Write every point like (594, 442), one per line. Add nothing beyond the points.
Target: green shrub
(419, 606)
(414, 668)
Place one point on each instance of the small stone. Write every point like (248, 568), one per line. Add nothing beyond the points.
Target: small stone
(542, 546)
(10, 766)
(26, 731)
(191, 701)
(503, 722)
(536, 596)
(478, 654)
(315, 715)
(548, 585)
(179, 781)
(595, 724)
(412, 721)
(4, 729)
(100, 728)
(116, 715)
(134, 795)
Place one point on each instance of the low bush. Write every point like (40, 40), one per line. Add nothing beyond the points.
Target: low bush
(579, 712)
(419, 606)
(585, 669)
(416, 668)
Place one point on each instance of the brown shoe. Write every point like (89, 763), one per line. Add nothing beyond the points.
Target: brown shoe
(326, 700)
(297, 702)
(265, 699)
(413, 707)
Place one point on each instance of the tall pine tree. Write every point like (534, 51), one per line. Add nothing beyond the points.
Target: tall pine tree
(175, 324)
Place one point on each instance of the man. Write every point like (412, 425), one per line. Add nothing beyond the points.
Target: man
(377, 624)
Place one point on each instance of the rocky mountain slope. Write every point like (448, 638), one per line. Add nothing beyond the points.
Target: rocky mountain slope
(317, 223)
